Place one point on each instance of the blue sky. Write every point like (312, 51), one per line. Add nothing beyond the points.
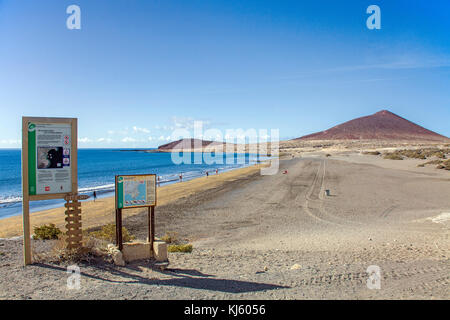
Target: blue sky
(138, 69)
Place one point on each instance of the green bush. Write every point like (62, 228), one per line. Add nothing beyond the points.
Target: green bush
(393, 156)
(187, 248)
(47, 232)
(108, 233)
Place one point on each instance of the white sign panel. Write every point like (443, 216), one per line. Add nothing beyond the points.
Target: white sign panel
(49, 158)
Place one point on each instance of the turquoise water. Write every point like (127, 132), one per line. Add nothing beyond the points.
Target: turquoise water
(97, 168)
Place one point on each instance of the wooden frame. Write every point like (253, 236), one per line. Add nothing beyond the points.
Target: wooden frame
(135, 175)
(151, 213)
(26, 197)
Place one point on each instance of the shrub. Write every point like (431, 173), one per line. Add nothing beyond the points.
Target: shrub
(393, 156)
(170, 237)
(415, 154)
(47, 232)
(187, 248)
(328, 155)
(433, 162)
(108, 232)
(373, 153)
(440, 155)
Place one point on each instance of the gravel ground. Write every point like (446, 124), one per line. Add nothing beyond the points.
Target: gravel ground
(275, 237)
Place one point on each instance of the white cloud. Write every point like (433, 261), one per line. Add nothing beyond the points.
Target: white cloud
(107, 140)
(183, 122)
(11, 141)
(140, 130)
(128, 139)
(123, 132)
(84, 140)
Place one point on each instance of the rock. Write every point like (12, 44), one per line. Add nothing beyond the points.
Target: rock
(118, 258)
(266, 268)
(296, 267)
(116, 255)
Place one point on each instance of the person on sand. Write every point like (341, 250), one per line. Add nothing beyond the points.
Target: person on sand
(207, 173)
(159, 180)
(95, 195)
(181, 177)
(217, 171)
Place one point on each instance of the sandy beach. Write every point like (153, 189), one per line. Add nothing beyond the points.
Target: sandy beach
(101, 211)
(277, 237)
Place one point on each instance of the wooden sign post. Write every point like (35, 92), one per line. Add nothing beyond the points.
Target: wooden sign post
(135, 191)
(49, 166)
(73, 219)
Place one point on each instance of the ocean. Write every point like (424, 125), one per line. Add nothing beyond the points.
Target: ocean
(98, 167)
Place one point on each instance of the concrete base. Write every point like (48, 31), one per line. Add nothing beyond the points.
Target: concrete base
(160, 250)
(136, 251)
(141, 250)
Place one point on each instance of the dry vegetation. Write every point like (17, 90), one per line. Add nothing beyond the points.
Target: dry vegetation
(94, 244)
(187, 248)
(372, 153)
(174, 244)
(46, 232)
(425, 153)
(108, 233)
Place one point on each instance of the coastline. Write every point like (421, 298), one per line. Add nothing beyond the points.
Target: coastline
(101, 212)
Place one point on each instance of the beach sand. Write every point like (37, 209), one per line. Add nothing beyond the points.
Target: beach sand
(101, 211)
(276, 237)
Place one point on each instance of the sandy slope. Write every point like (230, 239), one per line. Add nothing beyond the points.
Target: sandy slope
(248, 233)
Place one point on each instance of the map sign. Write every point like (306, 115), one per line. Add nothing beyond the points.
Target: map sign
(136, 191)
(49, 158)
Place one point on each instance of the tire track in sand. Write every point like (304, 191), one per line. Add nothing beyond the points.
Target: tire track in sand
(315, 196)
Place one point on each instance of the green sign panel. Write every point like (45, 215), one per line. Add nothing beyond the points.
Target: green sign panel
(133, 191)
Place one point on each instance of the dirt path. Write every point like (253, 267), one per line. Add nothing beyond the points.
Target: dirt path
(279, 237)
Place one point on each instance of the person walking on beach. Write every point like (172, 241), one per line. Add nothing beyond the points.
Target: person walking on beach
(207, 173)
(159, 180)
(181, 177)
(95, 195)
(217, 171)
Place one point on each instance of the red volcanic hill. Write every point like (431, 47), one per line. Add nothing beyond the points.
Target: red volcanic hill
(187, 144)
(383, 125)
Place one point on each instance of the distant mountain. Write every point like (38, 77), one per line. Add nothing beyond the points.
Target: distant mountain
(383, 125)
(187, 144)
